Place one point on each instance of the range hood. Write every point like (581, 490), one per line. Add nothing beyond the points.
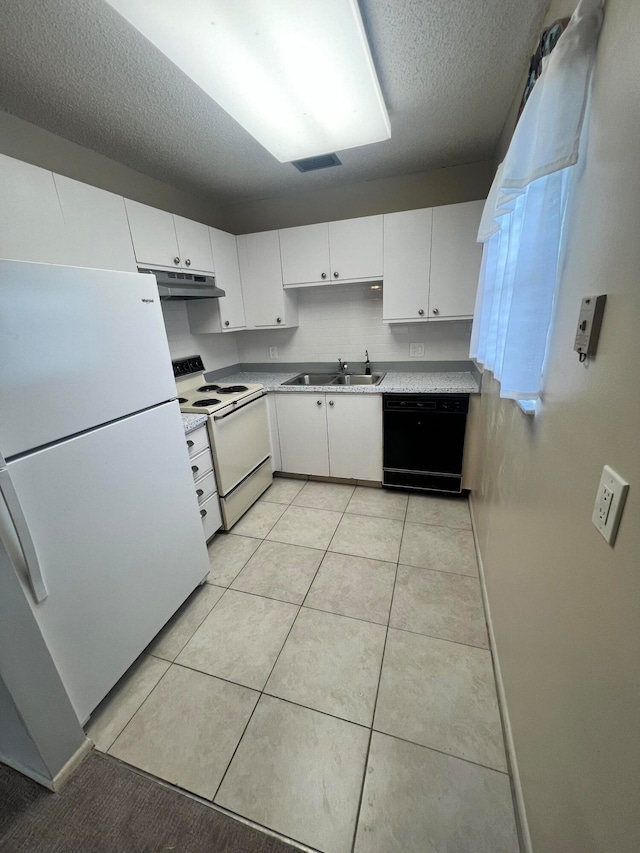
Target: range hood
(185, 285)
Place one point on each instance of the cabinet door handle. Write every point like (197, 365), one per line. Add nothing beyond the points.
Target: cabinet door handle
(195, 469)
(436, 311)
(318, 402)
(189, 443)
(203, 512)
(199, 492)
(336, 275)
(331, 402)
(188, 262)
(278, 319)
(176, 260)
(226, 322)
(421, 311)
(324, 275)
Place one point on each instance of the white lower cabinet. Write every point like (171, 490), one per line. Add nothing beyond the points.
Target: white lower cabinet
(201, 464)
(354, 426)
(302, 426)
(337, 435)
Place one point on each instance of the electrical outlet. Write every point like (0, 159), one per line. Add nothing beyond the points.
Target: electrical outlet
(416, 350)
(610, 498)
(273, 352)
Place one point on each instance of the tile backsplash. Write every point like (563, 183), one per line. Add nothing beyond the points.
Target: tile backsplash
(216, 350)
(335, 321)
(345, 320)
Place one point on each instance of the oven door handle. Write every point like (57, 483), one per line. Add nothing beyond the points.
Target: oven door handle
(237, 409)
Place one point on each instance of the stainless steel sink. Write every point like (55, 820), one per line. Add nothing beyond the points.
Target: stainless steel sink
(335, 379)
(311, 379)
(358, 379)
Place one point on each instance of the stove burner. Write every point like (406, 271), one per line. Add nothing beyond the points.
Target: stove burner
(232, 389)
(182, 399)
(209, 388)
(205, 403)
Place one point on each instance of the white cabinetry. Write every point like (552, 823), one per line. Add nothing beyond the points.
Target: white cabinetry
(302, 425)
(31, 222)
(164, 241)
(97, 228)
(194, 245)
(455, 260)
(431, 263)
(332, 252)
(226, 314)
(354, 425)
(338, 435)
(407, 262)
(204, 480)
(267, 304)
(356, 249)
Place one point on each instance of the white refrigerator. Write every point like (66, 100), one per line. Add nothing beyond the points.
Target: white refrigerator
(98, 514)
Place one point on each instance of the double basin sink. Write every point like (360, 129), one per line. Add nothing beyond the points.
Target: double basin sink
(336, 379)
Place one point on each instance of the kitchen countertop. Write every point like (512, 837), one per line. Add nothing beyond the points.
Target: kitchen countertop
(404, 382)
(192, 421)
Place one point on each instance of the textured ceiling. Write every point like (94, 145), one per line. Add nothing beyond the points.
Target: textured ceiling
(448, 69)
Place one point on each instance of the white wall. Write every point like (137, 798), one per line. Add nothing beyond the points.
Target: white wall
(217, 351)
(565, 605)
(344, 321)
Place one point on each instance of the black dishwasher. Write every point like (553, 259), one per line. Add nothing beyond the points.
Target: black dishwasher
(424, 441)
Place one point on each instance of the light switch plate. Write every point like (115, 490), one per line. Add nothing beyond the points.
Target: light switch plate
(416, 350)
(610, 498)
(273, 352)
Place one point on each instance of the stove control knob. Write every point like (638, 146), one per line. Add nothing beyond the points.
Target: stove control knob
(176, 260)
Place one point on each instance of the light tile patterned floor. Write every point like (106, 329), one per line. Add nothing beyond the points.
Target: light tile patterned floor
(332, 681)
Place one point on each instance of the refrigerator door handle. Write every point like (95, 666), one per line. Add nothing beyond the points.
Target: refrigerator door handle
(23, 534)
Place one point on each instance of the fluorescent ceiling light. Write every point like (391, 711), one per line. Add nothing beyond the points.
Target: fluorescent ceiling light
(296, 74)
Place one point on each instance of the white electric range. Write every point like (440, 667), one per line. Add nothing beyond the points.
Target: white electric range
(238, 425)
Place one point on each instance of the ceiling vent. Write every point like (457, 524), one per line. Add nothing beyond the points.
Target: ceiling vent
(310, 164)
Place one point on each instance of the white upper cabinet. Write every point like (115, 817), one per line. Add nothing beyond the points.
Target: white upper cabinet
(226, 314)
(455, 260)
(194, 245)
(332, 252)
(97, 227)
(31, 222)
(267, 304)
(227, 271)
(431, 263)
(355, 247)
(166, 241)
(154, 236)
(407, 262)
(305, 254)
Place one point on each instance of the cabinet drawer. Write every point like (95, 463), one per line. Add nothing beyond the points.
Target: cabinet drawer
(205, 486)
(201, 464)
(210, 515)
(197, 440)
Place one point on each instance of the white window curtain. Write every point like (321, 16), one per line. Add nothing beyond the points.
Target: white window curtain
(522, 223)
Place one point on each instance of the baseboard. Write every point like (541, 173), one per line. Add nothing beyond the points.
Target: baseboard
(523, 825)
(62, 776)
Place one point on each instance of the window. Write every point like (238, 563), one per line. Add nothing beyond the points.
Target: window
(523, 222)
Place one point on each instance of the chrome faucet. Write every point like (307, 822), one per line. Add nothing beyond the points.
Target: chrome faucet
(342, 366)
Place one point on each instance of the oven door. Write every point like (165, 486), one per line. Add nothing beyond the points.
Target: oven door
(239, 440)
